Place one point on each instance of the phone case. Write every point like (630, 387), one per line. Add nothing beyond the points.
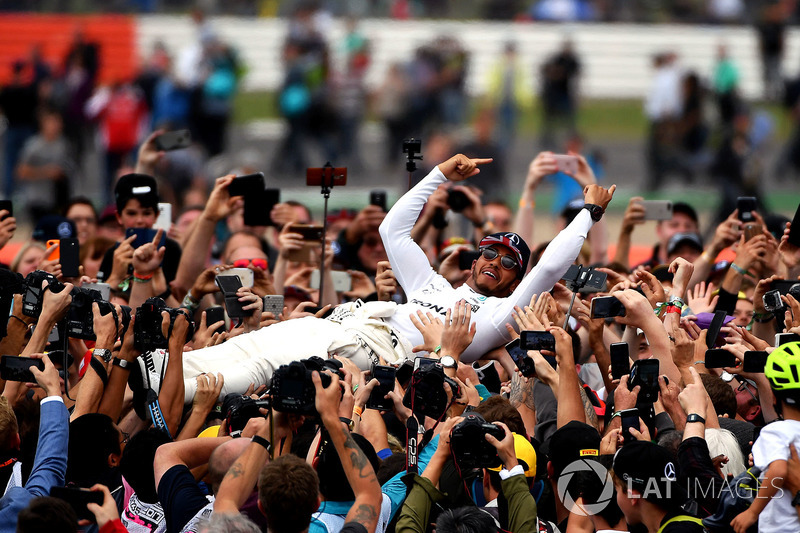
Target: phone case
(657, 209)
(70, 258)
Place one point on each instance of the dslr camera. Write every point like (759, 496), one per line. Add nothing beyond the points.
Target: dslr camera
(80, 320)
(425, 393)
(293, 391)
(469, 444)
(33, 295)
(147, 328)
(238, 409)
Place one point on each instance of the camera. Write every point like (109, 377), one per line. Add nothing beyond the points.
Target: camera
(147, 334)
(426, 393)
(457, 200)
(34, 296)
(585, 279)
(238, 409)
(772, 300)
(469, 444)
(293, 391)
(80, 320)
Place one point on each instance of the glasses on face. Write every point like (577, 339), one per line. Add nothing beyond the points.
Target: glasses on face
(125, 437)
(745, 386)
(507, 262)
(256, 262)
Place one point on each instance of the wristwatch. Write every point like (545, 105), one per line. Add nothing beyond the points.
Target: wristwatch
(104, 354)
(595, 210)
(694, 417)
(448, 362)
(122, 363)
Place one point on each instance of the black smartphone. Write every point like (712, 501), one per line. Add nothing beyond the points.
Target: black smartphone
(378, 198)
(247, 185)
(229, 285)
(8, 205)
(537, 340)
(794, 231)
(620, 360)
(719, 358)
(714, 327)
(607, 307)
(258, 206)
(78, 499)
(466, 258)
(644, 373)
(385, 376)
(783, 286)
(404, 372)
(13, 368)
(746, 205)
(521, 359)
(216, 314)
(70, 257)
(629, 419)
(754, 361)
(145, 235)
(783, 338)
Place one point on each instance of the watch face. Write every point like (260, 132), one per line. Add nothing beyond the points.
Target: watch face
(448, 362)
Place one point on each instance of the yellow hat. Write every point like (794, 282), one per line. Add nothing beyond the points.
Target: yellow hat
(211, 431)
(526, 455)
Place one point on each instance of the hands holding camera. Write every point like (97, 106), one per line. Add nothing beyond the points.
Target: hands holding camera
(505, 447)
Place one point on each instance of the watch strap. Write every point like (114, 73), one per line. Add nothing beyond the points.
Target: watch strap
(695, 418)
(258, 439)
(595, 211)
(103, 353)
(122, 363)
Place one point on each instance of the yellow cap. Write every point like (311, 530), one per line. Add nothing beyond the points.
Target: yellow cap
(526, 455)
(211, 431)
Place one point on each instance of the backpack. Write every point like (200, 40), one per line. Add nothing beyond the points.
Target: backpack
(736, 497)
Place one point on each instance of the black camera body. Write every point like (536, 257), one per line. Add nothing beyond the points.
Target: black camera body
(147, 328)
(80, 320)
(34, 296)
(293, 391)
(425, 393)
(238, 409)
(457, 200)
(469, 444)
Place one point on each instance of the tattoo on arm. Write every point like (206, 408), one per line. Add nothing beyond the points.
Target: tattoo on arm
(365, 515)
(357, 457)
(521, 392)
(237, 470)
(591, 416)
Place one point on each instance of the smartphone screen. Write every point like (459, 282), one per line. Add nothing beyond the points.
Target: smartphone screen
(537, 340)
(714, 327)
(606, 307)
(521, 359)
(386, 377)
(783, 338)
(719, 358)
(70, 257)
(620, 360)
(644, 373)
(629, 419)
(794, 231)
(144, 235)
(216, 314)
(754, 361)
(746, 205)
(247, 185)
(378, 198)
(13, 368)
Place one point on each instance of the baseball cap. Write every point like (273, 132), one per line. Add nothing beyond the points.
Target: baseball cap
(651, 470)
(51, 227)
(686, 209)
(513, 242)
(684, 239)
(139, 186)
(526, 455)
(573, 441)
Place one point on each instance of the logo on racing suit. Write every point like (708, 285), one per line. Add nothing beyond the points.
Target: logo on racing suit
(438, 308)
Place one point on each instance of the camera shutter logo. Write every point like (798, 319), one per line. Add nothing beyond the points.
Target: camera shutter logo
(593, 467)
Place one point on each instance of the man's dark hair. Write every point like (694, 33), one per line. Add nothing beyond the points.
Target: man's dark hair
(465, 520)
(80, 200)
(141, 450)
(722, 396)
(391, 466)
(498, 409)
(46, 514)
(92, 438)
(288, 491)
(333, 484)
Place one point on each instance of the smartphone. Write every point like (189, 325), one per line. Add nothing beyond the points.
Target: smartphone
(312, 237)
(229, 285)
(70, 260)
(783, 286)
(629, 419)
(164, 220)
(55, 254)
(657, 209)
(385, 376)
(606, 307)
(644, 373)
(8, 205)
(521, 359)
(404, 373)
(144, 235)
(783, 338)
(174, 140)
(620, 360)
(103, 288)
(537, 340)
(713, 328)
(719, 358)
(215, 314)
(772, 300)
(258, 206)
(378, 198)
(466, 258)
(13, 368)
(746, 205)
(245, 275)
(326, 176)
(752, 230)
(421, 361)
(794, 231)
(273, 303)
(78, 499)
(247, 185)
(567, 164)
(754, 361)
(341, 280)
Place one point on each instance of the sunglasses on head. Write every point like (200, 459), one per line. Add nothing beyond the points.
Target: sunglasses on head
(507, 262)
(245, 263)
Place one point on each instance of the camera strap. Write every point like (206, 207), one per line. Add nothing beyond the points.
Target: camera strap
(412, 444)
(154, 408)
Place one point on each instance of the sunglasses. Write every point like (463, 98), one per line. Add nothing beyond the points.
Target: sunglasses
(245, 263)
(507, 262)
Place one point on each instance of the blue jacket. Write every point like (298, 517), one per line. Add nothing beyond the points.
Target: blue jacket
(49, 467)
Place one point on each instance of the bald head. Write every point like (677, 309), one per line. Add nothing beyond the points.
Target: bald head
(222, 459)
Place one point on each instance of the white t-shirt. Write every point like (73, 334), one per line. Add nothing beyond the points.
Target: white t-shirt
(773, 445)
(141, 517)
(428, 291)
